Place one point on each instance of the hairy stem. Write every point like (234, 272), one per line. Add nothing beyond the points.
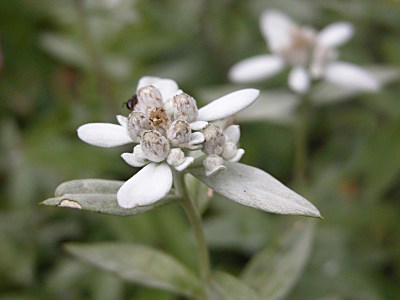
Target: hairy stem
(194, 217)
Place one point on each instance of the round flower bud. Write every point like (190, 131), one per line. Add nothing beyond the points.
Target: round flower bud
(138, 154)
(155, 146)
(137, 124)
(212, 164)
(179, 133)
(214, 139)
(185, 107)
(148, 97)
(176, 157)
(230, 151)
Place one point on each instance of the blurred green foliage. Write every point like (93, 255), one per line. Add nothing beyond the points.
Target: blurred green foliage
(69, 62)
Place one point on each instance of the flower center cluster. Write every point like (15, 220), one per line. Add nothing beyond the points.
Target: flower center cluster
(157, 130)
(164, 133)
(300, 50)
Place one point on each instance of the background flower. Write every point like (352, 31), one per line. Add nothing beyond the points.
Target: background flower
(310, 54)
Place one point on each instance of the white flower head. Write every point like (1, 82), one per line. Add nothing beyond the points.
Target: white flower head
(111, 135)
(310, 54)
(220, 146)
(165, 123)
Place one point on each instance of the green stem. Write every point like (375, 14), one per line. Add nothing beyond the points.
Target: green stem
(301, 142)
(194, 217)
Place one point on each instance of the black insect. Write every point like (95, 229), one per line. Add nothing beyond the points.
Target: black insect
(131, 103)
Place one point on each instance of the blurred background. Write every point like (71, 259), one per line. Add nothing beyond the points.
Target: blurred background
(64, 63)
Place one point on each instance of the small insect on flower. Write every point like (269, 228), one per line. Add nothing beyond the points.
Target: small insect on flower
(131, 103)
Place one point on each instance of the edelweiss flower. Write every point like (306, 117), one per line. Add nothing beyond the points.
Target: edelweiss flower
(162, 122)
(311, 55)
(111, 135)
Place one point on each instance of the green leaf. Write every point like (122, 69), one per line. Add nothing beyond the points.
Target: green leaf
(276, 269)
(139, 264)
(227, 287)
(378, 162)
(245, 230)
(255, 188)
(66, 49)
(88, 186)
(96, 195)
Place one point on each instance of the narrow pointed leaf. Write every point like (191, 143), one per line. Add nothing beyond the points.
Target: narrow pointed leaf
(96, 195)
(88, 186)
(276, 269)
(227, 287)
(255, 188)
(139, 264)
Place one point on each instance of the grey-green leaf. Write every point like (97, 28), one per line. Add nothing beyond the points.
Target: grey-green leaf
(139, 264)
(227, 287)
(65, 48)
(96, 195)
(88, 186)
(276, 269)
(255, 188)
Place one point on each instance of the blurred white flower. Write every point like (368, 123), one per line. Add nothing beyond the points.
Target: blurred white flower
(162, 122)
(310, 54)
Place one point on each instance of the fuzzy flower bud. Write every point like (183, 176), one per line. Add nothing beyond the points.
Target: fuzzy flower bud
(176, 157)
(212, 164)
(185, 107)
(214, 139)
(179, 133)
(139, 155)
(230, 151)
(155, 146)
(137, 124)
(148, 97)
